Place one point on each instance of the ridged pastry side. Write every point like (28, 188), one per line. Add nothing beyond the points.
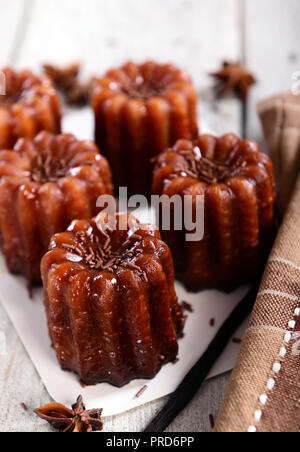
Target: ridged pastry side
(31, 105)
(239, 211)
(111, 326)
(44, 185)
(140, 110)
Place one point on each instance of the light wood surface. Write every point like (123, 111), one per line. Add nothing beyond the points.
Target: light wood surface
(272, 50)
(197, 35)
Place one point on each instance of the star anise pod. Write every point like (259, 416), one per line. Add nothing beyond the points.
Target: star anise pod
(75, 420)
(63, 77)
(233, 77)
(80, 93)
(67, 80)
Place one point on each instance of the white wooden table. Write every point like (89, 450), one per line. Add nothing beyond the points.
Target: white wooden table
(197, 35)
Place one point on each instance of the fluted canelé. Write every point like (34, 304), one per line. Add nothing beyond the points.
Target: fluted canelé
(140, 110)
(112, 310)
(237, 182)
(44, 185)
(29, 106)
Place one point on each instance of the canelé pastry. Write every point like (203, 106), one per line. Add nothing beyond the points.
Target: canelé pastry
(112, 310)
(29, 106)
(237, 182)
(140, 110)
(44, 185)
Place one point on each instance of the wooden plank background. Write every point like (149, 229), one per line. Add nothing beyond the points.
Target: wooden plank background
(197, 35)
(11, 23)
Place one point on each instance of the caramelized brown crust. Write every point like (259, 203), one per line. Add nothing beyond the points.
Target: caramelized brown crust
(30, 106)
(111, 305)
(140, 110)
(44, 185)
(237, 182)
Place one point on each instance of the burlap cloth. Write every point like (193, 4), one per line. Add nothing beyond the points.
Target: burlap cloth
(264, 392)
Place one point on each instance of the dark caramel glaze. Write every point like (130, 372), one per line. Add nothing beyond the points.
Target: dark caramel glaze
(30, 106)
(44, 185)
(237, 182)
(111, 321)
(140, 110)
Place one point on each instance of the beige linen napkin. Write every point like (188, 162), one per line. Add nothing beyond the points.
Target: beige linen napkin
(280, 118)
(264, 392)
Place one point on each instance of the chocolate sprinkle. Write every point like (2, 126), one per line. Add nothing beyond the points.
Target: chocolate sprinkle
(212, 322)
(236, 340)
(141, 89)
(46, 168)
(102, 257)
(24, 406)
(204, 169)
(141, 392)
